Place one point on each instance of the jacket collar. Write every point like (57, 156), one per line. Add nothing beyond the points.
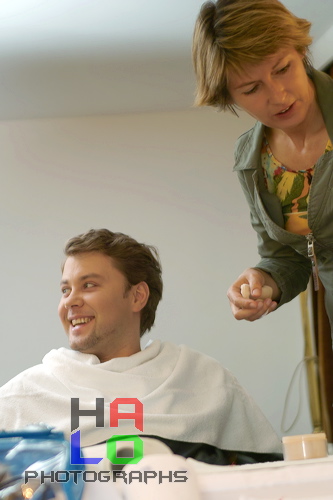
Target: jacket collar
(324, 91)
(247, 152)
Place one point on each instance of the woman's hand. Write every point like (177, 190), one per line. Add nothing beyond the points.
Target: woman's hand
(252, 308)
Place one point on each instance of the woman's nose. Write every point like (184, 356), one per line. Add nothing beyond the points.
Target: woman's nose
(277, 92)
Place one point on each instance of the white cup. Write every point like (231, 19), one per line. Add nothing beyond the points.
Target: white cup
(305, 446)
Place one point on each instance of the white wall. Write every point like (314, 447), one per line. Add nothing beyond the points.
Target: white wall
(165, 179)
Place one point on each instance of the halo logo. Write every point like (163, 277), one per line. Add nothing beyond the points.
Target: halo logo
(111, 444)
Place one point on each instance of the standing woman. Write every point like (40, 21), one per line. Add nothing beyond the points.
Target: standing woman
(253, 55)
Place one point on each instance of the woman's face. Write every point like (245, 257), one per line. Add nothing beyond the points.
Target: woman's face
(277, 91)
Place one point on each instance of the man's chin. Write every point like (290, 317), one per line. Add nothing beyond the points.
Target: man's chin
(79, 345)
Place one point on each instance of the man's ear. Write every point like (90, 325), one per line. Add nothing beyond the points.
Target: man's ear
(140, 296)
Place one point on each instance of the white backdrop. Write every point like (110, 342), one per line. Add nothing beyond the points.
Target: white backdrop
(166, 179)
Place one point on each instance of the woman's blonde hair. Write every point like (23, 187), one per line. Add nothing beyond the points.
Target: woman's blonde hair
(231, 33)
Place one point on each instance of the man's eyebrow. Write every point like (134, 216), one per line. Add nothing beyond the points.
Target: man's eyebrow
(255, 81)
(84, 278)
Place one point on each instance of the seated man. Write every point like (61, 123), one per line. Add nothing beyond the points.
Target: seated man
(110, 288)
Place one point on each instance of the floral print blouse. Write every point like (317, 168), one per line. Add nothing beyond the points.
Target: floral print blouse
(292, 188)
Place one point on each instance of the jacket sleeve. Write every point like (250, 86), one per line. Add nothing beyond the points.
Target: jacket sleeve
(289, 269)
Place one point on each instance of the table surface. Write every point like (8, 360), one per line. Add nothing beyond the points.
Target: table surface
(299, 479)
(284, 480)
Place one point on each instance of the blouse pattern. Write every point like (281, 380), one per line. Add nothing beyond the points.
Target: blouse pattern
(292, 188)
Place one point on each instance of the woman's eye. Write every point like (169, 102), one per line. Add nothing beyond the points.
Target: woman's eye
(251, 91)
(284, 69)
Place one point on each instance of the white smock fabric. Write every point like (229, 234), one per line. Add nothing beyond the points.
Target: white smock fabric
(186, 396)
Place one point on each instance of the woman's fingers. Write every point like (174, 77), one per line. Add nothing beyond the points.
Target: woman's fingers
(251, 310)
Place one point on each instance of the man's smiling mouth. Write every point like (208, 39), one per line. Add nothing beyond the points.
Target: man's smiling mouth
(79, 321)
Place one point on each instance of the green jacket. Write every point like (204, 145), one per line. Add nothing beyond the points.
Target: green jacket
(283, 254)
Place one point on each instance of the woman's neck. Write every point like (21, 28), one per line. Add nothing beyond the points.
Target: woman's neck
(303, 135)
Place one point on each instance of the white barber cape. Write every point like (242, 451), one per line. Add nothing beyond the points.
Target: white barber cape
(186, 396)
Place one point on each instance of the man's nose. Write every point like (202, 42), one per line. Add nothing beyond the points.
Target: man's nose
(74, 299)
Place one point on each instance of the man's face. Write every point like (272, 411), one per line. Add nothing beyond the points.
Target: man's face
(99, 314)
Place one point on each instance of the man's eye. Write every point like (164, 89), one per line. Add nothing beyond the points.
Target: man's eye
(64, 291)
(89, 285)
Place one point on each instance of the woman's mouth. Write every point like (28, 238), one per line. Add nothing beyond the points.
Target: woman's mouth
(285, 110)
